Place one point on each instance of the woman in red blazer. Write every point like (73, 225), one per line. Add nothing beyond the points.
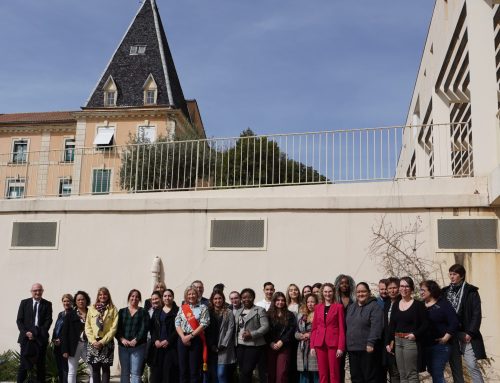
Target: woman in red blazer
(328, 335)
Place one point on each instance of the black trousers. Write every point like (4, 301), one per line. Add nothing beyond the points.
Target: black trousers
(26, 364)
(248, 359)
(364, 366)
(165, 368)
(190, 361)
(62, 365)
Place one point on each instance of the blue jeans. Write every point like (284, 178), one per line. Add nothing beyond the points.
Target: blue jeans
(131, 361)
(308, 377)
(436, 358)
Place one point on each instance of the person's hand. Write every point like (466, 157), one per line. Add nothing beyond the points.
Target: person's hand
(388, 348)
(164, 344)
(65, 355)
(369, 349)
(313, 352)
(29, 334)
(410, 337)
(467, 338)
(132, 343)
(56, 342)
(158, 344)
(306, 335)
(125, 342)
(186, 339)
(97, 344)
(340, 353)
(276, 345)
(444, 339)
(246, 335)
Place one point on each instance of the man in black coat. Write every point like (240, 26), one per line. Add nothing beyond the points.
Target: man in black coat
(468, 342)
(33, 321)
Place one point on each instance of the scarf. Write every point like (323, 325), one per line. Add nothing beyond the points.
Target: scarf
(455, 294)
(101, 308)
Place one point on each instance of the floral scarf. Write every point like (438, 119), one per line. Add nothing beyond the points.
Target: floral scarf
(101, 309)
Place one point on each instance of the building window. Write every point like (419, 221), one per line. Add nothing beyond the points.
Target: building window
(20, 151)
(110, 98)
(146, 134)
(104, 137)
(150, 91)
(137, 50)
(69, 150)
(65, 185)
(150, 97)
(110, 92)
(15, 188)
(101, 181)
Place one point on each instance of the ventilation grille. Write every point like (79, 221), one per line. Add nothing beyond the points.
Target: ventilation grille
(34, 234)
(467, 234)
(238, 234)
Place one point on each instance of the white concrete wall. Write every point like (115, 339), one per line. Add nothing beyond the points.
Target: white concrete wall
(314, 233)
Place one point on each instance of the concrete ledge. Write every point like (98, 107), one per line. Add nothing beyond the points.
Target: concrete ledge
(494, 187)
(407, 194)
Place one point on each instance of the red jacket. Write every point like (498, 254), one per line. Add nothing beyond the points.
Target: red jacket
(330, 332)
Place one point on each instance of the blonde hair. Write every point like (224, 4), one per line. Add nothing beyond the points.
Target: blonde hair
(67, 296)
(187, 290)
(106, 291)
(288, 298)
(321, 296)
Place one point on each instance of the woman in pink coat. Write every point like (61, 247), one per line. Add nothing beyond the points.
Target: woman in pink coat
(328, 335)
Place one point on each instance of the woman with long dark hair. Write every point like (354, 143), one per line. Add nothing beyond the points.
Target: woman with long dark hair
(443, 324)
(100, 328)
(73, 338)
(162, 356)
(388, 358)
(307, 365)
(220, 338)
(406, 331)
(328, 335)
(279, 338)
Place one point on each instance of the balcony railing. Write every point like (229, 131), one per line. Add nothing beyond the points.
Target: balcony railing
(339, 156)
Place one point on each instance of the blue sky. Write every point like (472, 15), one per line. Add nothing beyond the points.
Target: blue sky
(275, 66)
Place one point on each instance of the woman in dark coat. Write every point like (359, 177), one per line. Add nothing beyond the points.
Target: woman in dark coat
(61, 362)
(162, 356)
(73, 338)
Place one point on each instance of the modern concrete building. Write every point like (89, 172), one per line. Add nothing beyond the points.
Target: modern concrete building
(288, 208)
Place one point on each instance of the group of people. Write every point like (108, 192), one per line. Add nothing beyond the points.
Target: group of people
(296, 336)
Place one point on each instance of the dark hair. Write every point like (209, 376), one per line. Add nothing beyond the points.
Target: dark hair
(170, 291)
(249, 291)
(219, 287)
(409, 281)
(459, 269)
(392, 280)
(433, 288)
(268, 284)
(317, 285)
(303, 288)
(384, 281)
(276, 314)
(134, 291)
(85, 295)
(365, 285)
(157, 293)
(211, 305)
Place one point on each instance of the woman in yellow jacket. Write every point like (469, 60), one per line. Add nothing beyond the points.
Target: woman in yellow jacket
(100, 329)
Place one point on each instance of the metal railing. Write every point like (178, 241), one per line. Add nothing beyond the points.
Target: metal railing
(357, 155)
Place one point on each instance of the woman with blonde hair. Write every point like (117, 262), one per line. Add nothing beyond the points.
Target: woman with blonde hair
(190, 323)
(293, 298)
(328, 335)
(307, 365)
(100, 327)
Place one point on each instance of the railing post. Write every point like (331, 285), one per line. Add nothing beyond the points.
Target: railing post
(197, 164)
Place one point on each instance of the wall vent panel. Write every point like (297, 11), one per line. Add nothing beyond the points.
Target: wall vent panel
(238, 234)
(34, 234)
(468, 234)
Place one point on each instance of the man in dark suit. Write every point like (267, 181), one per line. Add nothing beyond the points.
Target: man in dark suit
(33, 321)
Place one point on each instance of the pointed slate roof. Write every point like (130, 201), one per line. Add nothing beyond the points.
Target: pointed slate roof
(130, 72)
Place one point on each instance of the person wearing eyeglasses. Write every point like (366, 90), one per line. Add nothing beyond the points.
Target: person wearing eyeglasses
(407, 327)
